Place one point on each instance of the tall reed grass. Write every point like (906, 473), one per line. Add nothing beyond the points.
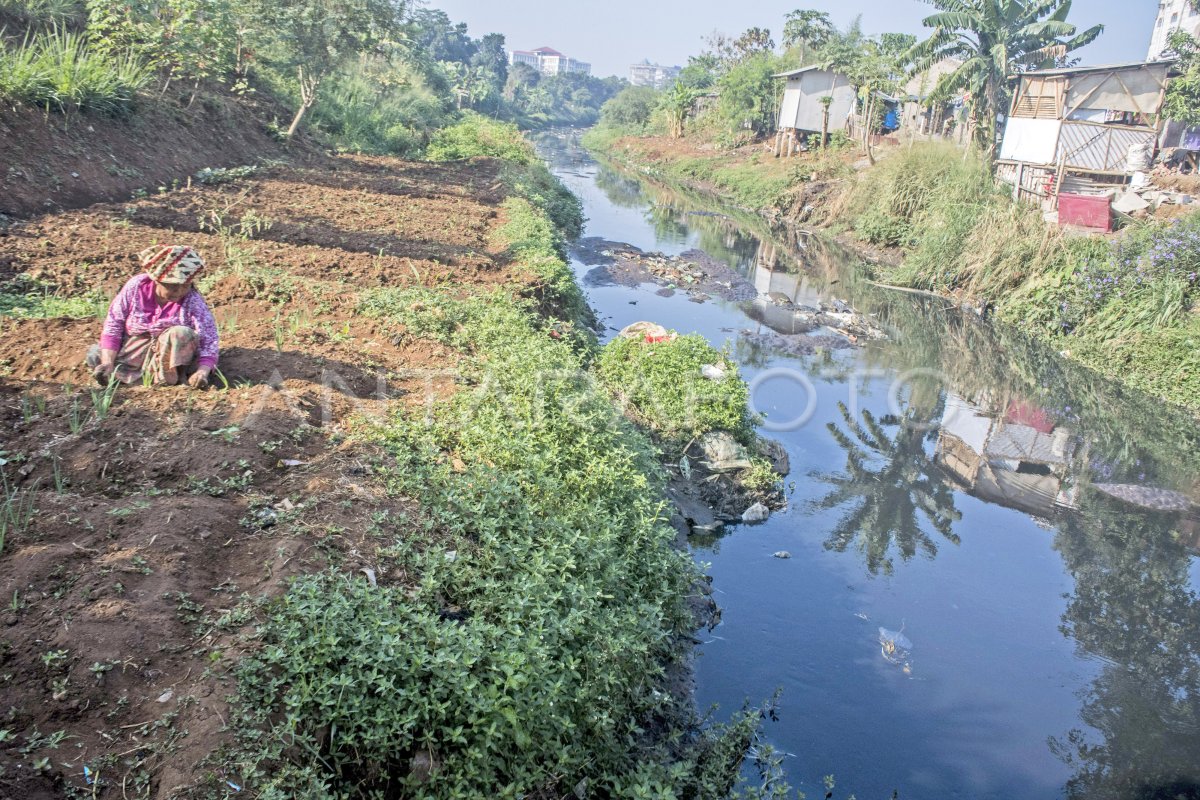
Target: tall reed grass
(58, 69)
(53, 12)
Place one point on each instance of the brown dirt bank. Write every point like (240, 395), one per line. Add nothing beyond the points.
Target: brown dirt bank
(52, 162)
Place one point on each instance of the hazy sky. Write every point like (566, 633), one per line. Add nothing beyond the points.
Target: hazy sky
(613, 34)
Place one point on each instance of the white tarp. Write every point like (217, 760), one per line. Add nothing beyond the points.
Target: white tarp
(1136, 90)
(1032, 141)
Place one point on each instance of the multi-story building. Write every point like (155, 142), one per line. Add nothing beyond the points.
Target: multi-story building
(656, 75)
(549, 61)
(1173, 15)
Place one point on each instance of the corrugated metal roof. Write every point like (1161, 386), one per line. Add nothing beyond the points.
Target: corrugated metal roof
(1101, 68)
(796, 72)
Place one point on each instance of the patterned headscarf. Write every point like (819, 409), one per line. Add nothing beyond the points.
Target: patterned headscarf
(172, 264)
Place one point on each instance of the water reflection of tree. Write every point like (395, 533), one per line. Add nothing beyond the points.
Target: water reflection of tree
(889, 483)
(621, 190)
(1133, 607)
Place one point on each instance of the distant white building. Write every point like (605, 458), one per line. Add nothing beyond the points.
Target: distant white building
(1173, 15)
(654, 75)
(549, 61)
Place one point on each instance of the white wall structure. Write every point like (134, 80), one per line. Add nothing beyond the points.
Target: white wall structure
(1173, 15)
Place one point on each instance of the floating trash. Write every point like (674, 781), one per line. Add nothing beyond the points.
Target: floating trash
(896, 648)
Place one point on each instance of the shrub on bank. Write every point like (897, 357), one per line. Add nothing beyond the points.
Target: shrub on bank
(477, 135)
(381, 106)
(663, 386)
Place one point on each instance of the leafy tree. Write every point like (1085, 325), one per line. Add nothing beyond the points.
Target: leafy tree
(727, 52)
(192, 39)
(747, 94)
(701, 71)
(490, 66)
(995, 39)
(1183, 92)
(752, 42)
(440, 38)
(873, 66)
(312, 38)
(809, 30)
(521, 75)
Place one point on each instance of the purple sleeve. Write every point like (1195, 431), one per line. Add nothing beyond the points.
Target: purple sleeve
(206, 329)
(112, 335)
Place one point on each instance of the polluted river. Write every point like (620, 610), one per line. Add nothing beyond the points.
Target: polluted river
(985, 582)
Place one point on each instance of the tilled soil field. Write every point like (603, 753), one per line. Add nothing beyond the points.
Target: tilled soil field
(136, 532)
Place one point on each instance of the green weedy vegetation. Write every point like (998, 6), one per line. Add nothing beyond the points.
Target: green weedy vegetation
(525, 174)
(520, 645)
(59, 69)
(663, 386)
(541, 215)
(532, 239)
(27, 300)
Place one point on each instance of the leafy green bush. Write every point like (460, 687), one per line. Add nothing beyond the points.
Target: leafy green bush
(477, 135)
(191, 39)
(538, 185)
(663, 386)
(747, 105)
(881, 228)
(61, 70)
(630, 109)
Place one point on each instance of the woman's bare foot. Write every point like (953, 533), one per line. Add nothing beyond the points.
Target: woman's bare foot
(170, 377)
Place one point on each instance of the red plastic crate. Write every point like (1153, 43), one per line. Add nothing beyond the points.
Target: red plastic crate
(1086, 211)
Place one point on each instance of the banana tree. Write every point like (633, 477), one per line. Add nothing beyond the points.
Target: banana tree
(994, 40)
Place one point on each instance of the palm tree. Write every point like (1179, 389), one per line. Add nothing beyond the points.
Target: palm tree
(889, 483)
(995, 39)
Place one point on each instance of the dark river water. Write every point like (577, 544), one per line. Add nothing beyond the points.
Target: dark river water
(1029, 529)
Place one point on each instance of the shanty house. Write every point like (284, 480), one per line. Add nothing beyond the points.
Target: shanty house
(802, 112)
(1082, 129)
(924, 119)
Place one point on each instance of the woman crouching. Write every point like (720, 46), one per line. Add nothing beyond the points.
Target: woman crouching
(158, 325)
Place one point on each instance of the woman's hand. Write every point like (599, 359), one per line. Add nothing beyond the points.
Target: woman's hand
(199, 378)
(104, 370)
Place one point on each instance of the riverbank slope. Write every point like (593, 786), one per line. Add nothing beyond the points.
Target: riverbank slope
(928, 218)
(406, 546)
